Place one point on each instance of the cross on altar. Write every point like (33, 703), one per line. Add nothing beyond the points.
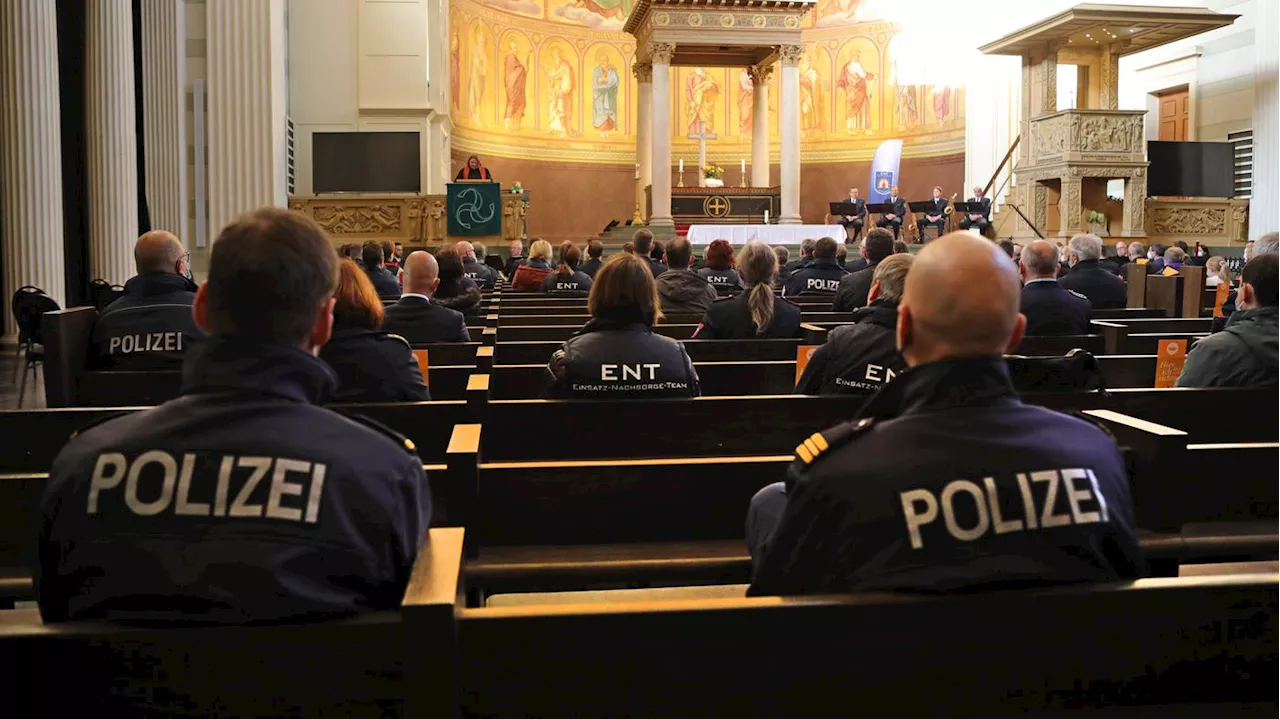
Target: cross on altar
(702, 136)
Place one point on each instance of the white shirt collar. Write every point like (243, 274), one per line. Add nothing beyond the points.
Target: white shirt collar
(414, 294)
(1040, 279)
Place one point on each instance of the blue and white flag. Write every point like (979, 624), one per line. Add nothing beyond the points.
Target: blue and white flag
(884, 170)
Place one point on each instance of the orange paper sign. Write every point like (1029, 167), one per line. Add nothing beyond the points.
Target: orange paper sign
(421, 356)
(803, 354)
(1171, 355)
(1220, 298)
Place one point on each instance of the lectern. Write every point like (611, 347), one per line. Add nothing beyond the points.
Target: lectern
(474, 208)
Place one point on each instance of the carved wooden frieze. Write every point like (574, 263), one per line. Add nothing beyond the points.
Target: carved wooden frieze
(1189, 220)
(1088, 136)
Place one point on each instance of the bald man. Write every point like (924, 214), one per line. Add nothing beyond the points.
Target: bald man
(415, 317)
(1050, 308)
(947, 481)
(483, 275)
(150, 326)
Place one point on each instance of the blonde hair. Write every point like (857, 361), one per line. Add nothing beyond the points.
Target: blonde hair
(891, 273)
(758, 264)
(540, 250)
(1223, 271)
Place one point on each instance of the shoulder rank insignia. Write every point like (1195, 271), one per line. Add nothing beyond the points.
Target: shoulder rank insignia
(816, 444)
(1077, 294)
(396, 438)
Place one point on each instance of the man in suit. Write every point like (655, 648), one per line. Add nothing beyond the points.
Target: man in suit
(384, 283)
(936, 216)
(415, 317)
(853, 223)
(1091, 276)
(853, 289)
(893, 218)
(515, 260)
(1155, 259)
(1050, 308)
(978, 220)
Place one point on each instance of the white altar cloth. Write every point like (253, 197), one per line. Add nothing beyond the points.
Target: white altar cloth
(738, 235)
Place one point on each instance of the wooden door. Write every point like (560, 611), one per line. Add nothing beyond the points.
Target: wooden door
(1174, 115)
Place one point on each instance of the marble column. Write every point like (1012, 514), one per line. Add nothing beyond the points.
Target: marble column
(760, 75)
(660, 107)
(790, 121)
(247, 100)
(1264, 202)
(111, 147)
(644, 128)
(31, 151)
(164, 60)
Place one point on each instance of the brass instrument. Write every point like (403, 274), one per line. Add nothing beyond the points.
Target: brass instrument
(951, 205)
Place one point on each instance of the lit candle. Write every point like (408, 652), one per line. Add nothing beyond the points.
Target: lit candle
(766, 217)
(744, 165)
(637, 171)
(682, 164)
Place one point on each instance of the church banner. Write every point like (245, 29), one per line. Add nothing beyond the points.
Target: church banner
(884, 170)
(474, 208)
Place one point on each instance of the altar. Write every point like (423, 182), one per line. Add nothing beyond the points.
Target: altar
(739, 235)
(724, 205)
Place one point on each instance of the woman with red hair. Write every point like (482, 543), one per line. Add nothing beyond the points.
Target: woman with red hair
(719, 270)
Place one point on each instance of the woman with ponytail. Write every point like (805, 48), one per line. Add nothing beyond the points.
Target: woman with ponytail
(568, 278)
(756, 313)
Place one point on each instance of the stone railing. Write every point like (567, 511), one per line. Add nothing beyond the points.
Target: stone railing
(1086, 136)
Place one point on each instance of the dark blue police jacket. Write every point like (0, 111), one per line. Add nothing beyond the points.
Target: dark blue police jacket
(1052, 309)
(240, 501)
(149, 327)
(964, 487)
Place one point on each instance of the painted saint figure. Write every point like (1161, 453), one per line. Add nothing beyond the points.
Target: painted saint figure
(746, 102)
(701, 93)
(810, 98)
(478, 75)
(515, 76)
(908, 112)
(455, 72)
(941, 104)
(604, 94)
(560, 91)
(857, 95)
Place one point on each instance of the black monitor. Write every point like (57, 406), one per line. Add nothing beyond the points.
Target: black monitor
(1191, 169)
(365, 162)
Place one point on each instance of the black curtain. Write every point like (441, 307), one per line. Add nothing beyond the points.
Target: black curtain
(75, 189)
(144, 213)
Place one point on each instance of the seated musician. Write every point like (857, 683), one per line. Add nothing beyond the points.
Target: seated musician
(474, 171)
(371, 366)
(150, 326)
(617, 355)
(860, 358)
(977, 220)
(936, 215)
(417, 316)
(893, 218)
(853, 223)
(948, 482)
(245, 501)
(719, 270)
(756, 313)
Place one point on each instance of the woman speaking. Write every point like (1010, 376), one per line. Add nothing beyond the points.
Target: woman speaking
(474, 171)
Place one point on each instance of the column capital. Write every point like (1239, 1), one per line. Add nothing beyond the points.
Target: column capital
(643, 71)
(790, 54)
(760, 74)
(661, 52)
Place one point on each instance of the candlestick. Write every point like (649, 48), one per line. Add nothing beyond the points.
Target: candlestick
(637, 171)
(744, 165)
(766, 217)
(682, 165)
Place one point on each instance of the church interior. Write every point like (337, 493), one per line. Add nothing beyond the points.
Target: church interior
(643, 537)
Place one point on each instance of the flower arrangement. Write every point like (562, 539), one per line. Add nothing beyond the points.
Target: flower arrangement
(713, 171)
(517, 188)
(1096, 220)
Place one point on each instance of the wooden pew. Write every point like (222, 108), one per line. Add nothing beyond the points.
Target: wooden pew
(717, 378)
(560, 333)
(520, 353)
(1127, 313)
(364, 666)
(1143, 336)
(1204, 646)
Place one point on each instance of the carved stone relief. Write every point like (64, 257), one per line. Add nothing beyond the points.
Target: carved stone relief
(1189, 220)
(358, 219)
(1070, 209)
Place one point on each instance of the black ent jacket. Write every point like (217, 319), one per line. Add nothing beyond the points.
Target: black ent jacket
(420, 321)
(621, 358)
(1103, 288)
(373, 367)
(483, 275)
(577, 283)
(149, 327)
(729, 318)
(858, 358)
(725, 281)
(252, 503)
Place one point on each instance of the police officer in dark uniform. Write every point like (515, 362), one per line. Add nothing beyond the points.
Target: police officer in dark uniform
(243, 500)
(804, 260)
(936, 215)
(1091, 276)
(978, 220)
(822, 276)
(862, 357)
(483, 275)
(150, 326)
(948, 481)
(1050, 308)
(853, 224)
(893, 218)
(616, 355)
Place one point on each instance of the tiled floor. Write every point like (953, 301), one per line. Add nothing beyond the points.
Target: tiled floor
(9, 388)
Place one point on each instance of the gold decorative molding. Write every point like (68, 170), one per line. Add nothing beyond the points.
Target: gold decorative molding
(761, 74)
(662, 52)
(643, 71)
(790, 55)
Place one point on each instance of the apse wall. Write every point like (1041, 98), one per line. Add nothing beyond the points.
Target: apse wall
(542, 91)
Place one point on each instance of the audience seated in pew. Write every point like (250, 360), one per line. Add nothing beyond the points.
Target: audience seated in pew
(245, 501)
(756, 313)
(862, 357)
(947, 481)
(483, 275)
(1244, 354)
(806, 256)
(679, 288)
(150, 326)
(642, 246)
(372, 261)
(456, 291)
(719, 269)
(530, 274)
(1049, 308)
(567, 278)
(1267, 244)
(415, 316)
(1092, 276)
(371, 366)
(616, 355)
(595, 251)
(853, 289)
(783, 255)
(820, 277)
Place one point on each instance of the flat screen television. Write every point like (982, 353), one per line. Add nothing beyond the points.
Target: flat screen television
(365, 162)
(1191, 169)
